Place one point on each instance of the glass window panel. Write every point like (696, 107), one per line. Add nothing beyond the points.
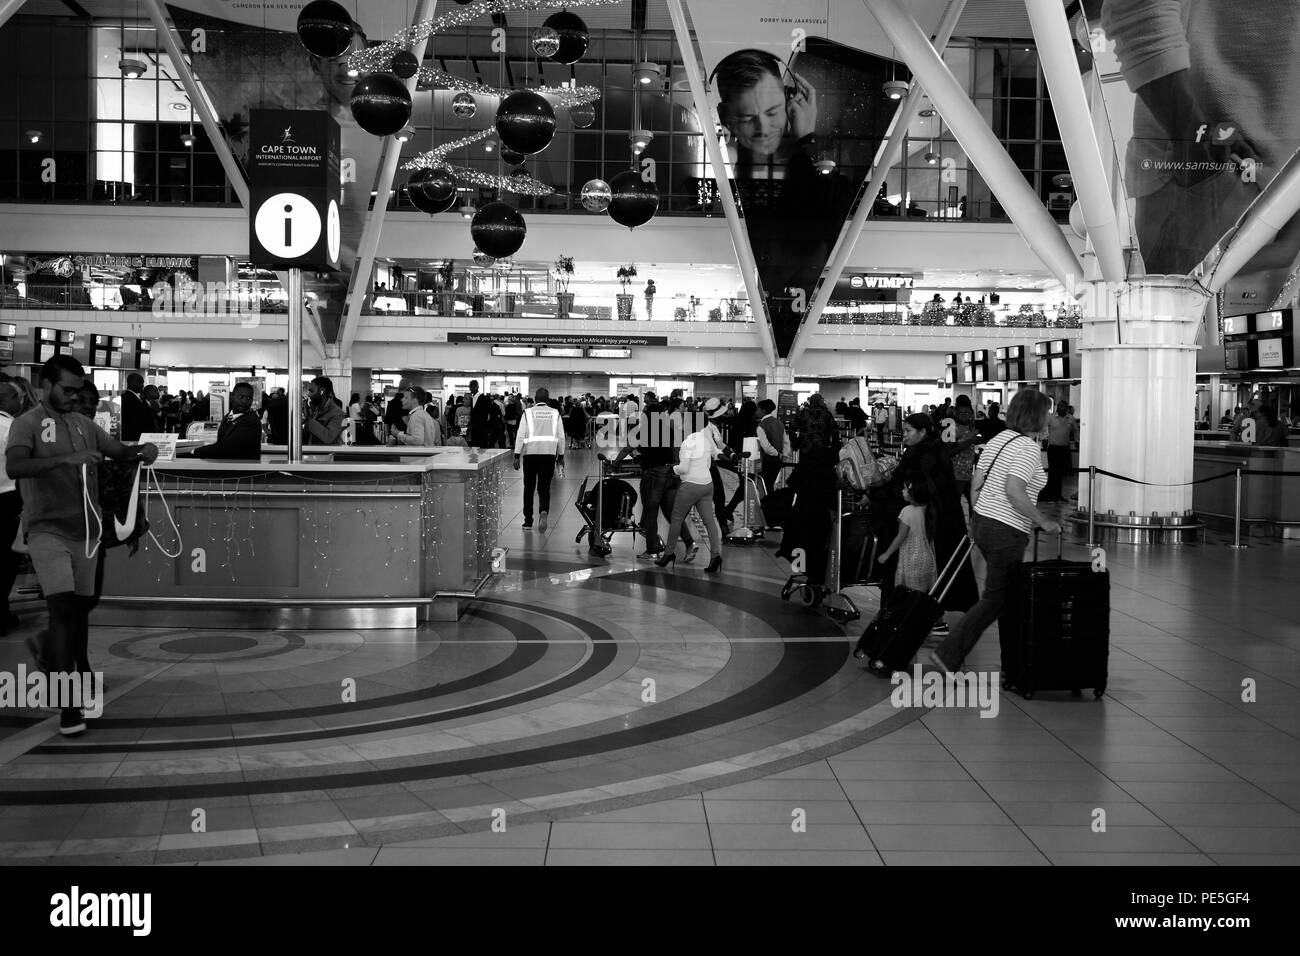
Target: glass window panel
(1050, 129)
(1022, 119)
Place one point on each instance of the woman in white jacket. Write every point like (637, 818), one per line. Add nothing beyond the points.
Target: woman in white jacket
(697, 454)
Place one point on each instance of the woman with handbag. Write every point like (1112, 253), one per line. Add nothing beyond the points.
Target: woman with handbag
(1007, 481)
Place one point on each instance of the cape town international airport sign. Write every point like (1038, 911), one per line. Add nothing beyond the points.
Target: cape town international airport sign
(528, 338)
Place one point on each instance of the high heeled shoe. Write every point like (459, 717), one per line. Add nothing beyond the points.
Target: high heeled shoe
(715, 565)
(667, 558)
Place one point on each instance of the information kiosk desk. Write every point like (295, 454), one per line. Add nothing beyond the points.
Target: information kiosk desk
(401, 536)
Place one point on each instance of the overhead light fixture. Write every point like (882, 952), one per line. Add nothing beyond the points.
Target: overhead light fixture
(932, 158)
(896, 89)
(187, 139)
(132, 69)
(640, 139)
(34, 135)
(824, 166)
(488, 146)
(405, 134)
(468, 210)
(353, 72)
(646, 73)
(926, 113)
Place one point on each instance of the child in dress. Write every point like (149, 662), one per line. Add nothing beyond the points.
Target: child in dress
(914, 543)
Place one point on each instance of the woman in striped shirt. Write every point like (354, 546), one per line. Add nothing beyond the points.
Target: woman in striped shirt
(1008, 478)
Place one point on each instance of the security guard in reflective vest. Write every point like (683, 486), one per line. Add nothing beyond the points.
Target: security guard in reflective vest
(540, 442)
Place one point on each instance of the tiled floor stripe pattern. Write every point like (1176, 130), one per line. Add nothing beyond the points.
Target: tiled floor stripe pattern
(532, 705)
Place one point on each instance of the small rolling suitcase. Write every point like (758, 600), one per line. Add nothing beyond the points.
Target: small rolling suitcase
(901, 626)
(1058, 619)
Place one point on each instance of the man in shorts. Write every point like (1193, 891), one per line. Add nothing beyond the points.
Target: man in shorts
(48, 447)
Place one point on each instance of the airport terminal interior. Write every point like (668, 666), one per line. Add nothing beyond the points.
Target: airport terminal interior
(363, 364)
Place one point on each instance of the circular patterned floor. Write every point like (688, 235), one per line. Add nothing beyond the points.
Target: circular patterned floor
(561, 692)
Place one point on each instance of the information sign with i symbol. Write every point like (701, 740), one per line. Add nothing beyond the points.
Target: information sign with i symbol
(293, 189)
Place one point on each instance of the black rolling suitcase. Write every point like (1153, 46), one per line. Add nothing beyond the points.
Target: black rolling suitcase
(901, 626)
(858, 546)
(1059, 624)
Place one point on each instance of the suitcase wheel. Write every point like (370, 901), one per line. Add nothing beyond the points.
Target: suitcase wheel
(1098, 691)
(859, 654)
(599, 548)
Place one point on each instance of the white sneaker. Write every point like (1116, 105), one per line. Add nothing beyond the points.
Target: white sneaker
(541, 521)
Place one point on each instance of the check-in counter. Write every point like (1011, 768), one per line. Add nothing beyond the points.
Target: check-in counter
(1270, 499)
(349, 538)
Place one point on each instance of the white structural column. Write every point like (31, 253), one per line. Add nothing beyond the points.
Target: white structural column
(359, 284)
(713, 149)
(889, 154)
(198, 100)
(778, 375)
(1070, 104)
(1021, 202)
(1139, 393)
(8, 8)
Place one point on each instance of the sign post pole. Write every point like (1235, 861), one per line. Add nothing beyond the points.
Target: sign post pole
(293, 217)
(295, 366)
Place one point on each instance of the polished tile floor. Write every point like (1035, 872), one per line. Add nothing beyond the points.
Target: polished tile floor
(602, 711)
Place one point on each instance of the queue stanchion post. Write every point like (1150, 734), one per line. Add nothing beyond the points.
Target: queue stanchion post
(1236, 518)
(1092, 506)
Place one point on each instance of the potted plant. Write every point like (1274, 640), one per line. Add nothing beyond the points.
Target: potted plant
(563, 275)
(625, 299)
(447, 287)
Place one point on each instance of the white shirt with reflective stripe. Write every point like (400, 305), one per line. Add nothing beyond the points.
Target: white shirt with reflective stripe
(540, 432)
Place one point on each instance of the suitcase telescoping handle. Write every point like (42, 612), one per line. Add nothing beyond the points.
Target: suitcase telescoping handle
(1060, 544)
(955, 561)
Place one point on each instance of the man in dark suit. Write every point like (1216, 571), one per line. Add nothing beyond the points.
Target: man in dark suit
(240, 433)
(137, 417)
(485, 421)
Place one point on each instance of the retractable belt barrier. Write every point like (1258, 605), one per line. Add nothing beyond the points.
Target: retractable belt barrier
(1236, 474)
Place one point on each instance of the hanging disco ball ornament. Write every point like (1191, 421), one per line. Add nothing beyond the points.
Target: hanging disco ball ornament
(525, 122)
(546, 42)
(481, 258)
(573, 34)
(463, 105)
(633, 201)
(325, 28)
(405, 64)
(582, 116)
(511, 157)
(498, 230)
(432, 190)
(596, 195)
(381, 104)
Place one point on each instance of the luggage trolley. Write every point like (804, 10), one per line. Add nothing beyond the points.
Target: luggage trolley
(751, 522)
(611, 492)
(839, 607)
(830, 596)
